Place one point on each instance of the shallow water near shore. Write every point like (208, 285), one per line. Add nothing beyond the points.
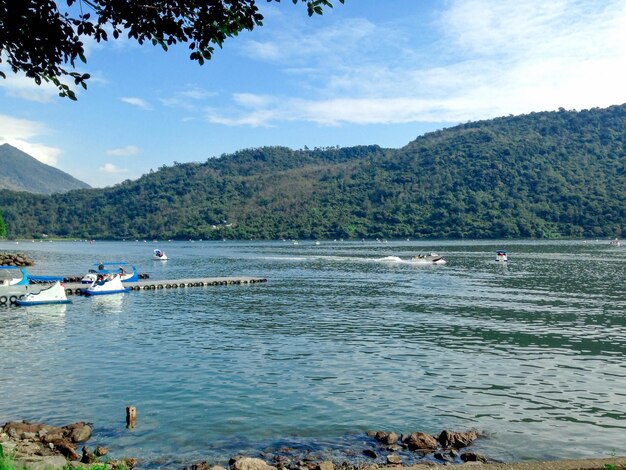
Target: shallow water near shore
(341, 339)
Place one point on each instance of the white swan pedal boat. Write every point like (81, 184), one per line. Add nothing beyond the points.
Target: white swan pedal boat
(432, 258)
(127, 272)
(106, 284)
(160, 255)
(501, 256)
(13, 284)
(55, 294)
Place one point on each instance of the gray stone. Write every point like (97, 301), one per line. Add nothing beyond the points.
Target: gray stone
(457, 440)
(391, 438)
(420, 441)
(393, 459)
(8, 446)
(249, 463)
(44, 463)
(370, 453)
(473, 457)
(325, 465)
(79, 432)
(101, 451)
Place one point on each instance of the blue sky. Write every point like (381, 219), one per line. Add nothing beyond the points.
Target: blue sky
(367, 72)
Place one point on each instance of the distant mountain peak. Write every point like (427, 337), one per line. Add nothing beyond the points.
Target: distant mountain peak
(22, 172)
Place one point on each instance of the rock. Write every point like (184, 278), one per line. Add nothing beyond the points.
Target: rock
(249, 463)
(217, 467)
(383, 437)
(128, 462)
(8, 446)
(366, 467)
(392, 438)
(65, 448)
(43, 463)
(370, 453)
(203, 465)
(371, 433)
(473, 457)
(15, 428)
(393, 459)
(78, 432)
(457, 440)
(420, 441)
(325, 465)
(444, 457)
(101, 451)
(380, 436)
(87, 457)
(17, 259)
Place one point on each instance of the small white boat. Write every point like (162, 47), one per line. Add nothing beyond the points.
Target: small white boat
(501, 256)
(106, 284)
(615, 242)
(432, 258)
(127, 272)
(160, 255)
(55, 294)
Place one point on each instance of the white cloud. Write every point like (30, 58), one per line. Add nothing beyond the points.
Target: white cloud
(20, 132)
(111, 168)
(20, 86)
(138, 102)
(127, 151)
(493, 59)
(187, 98)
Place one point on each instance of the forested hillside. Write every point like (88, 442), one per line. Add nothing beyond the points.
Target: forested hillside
(21, 172)
(539, 175)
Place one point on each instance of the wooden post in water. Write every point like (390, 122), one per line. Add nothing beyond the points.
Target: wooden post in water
(131, 416)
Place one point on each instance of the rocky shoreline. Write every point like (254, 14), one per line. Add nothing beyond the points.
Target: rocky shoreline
(40, 446)
(19, 260)
(43, 446)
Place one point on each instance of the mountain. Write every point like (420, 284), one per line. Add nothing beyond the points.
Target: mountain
(549, 174)
(21, 172)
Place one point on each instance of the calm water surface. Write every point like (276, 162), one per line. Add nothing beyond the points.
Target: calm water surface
(338, 341)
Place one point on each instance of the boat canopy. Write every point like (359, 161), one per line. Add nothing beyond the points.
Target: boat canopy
(501, 252)
(46, 278)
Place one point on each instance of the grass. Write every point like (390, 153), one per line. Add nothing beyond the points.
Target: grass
(8, 463)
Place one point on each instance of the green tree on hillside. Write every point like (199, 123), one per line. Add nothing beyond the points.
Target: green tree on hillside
(41, 38)
(3, 229)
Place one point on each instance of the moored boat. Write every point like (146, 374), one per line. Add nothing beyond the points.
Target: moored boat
(106, 284)
(127, 272)
(55, 294)
(13, 284)
(615, 242)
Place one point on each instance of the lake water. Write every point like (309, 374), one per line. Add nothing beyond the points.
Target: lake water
(337, 342)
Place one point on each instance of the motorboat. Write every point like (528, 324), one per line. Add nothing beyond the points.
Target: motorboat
(55, 294)
(127, 272)
(13, 284)
(160, 255)
(432, 258)
(106, 284)
(501, 256)
(615, 242)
